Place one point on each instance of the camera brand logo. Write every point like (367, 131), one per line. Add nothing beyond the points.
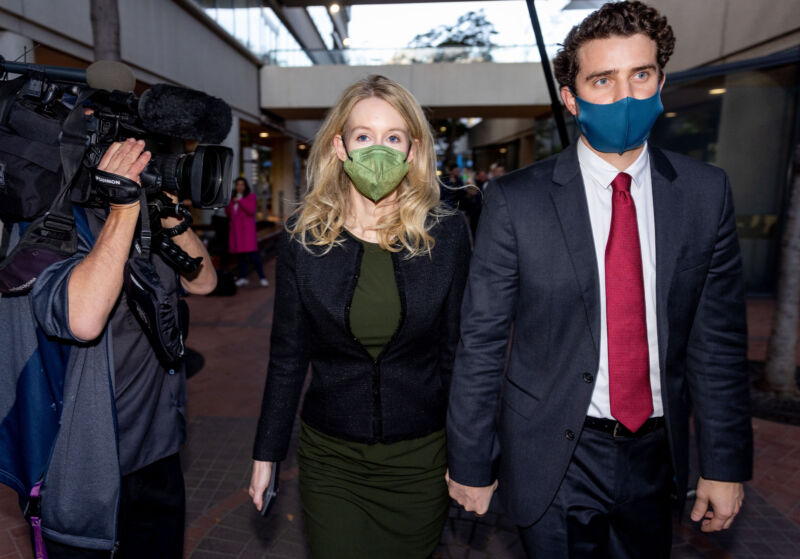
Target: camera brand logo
(106, 180)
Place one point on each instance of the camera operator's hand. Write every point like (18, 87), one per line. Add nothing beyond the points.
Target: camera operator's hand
(204, 280)
(96, 282)
(170, 220)
(126, 159)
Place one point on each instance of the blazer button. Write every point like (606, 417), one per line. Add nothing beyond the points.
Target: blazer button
(570, 435)
(588, 378)
(347, 308)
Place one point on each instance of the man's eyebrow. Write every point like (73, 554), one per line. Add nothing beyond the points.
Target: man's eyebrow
(645, 67)
(612, 71)
(600, 74)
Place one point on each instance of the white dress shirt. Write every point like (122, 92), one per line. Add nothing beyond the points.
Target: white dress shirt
(597, 176)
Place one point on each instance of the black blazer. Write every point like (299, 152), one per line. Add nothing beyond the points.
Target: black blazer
(534, 265)
(400, 396)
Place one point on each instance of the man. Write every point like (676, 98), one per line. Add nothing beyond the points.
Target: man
(497, 170)
(619, 267)
(451, 188)
(123, 408)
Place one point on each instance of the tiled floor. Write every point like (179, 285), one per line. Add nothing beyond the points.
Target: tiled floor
(232, 333)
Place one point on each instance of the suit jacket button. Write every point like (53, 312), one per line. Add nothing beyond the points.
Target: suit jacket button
(570, 435)
(588, 378)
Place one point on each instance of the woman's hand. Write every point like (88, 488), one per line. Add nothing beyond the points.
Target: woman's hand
(259, 481)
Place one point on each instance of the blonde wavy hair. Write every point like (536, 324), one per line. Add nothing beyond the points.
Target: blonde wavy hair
(322, 215)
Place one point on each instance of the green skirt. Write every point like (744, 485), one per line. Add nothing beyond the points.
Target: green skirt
(379, 501)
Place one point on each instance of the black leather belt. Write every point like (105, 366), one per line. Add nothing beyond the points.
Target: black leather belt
(617, 429)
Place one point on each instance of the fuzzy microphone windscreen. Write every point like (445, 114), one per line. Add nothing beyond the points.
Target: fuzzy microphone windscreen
(185, 113)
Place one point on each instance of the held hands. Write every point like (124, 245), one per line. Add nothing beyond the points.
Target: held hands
(259, 481)
(473, 499)
(717, 504)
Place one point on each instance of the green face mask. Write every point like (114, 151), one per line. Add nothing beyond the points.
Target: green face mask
(376, 170)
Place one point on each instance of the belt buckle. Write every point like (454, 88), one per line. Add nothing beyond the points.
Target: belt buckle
(615, 433)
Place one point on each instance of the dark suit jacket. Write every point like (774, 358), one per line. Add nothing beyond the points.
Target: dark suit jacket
(534, 265)
(402, 395)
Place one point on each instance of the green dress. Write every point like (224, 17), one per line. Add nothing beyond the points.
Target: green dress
(380, 501)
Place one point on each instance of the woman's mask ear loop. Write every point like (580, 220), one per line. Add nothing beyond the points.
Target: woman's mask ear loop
(408, 151)
(345, 147)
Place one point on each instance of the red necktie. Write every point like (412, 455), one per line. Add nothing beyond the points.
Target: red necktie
(628, 359)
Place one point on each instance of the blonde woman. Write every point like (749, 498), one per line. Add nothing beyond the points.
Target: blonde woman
(370, 275)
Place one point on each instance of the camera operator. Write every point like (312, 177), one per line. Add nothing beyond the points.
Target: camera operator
(80, 302)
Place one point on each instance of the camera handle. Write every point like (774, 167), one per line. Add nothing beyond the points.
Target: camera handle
(175, 256)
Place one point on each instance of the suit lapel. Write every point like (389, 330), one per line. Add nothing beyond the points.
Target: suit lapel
(570, 203)
(668, 215)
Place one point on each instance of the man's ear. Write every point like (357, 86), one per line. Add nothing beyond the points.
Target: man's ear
(663, 79)
(569, 101)
(338, 145)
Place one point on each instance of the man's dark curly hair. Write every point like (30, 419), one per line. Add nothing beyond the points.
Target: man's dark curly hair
(614, 18)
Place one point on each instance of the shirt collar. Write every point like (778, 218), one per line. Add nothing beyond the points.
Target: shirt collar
(602, 172)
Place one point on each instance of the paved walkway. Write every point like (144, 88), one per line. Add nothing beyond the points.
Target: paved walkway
(232, 333)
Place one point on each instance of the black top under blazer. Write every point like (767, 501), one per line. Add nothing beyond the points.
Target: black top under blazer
(401, 395)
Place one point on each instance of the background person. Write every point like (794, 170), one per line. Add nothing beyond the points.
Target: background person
(619, 266)
(370, 276)
(242, 236)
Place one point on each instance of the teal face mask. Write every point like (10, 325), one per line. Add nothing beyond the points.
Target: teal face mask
(621, 126)
(376, 170)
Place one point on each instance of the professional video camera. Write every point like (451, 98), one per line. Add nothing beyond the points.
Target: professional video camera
(56, 123)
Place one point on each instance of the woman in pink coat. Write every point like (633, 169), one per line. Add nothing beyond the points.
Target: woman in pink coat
(242, 239)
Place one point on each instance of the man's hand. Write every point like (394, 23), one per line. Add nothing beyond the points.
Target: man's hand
(126, 159)
(717, 504)
(259, 481)
(473, 499)
(95, 283)
(204, 280)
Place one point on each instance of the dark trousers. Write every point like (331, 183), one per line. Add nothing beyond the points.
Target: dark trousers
(612, 504)
(255, 260)
(151, 516)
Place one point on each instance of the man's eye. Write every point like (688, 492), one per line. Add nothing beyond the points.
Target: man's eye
(642, 75)
(601, 81)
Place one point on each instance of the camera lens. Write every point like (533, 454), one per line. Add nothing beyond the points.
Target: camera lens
(208, 181)
(204, 176)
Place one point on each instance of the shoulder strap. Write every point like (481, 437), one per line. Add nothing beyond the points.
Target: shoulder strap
(82, 223)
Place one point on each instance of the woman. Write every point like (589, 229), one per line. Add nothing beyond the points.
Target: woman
(242, 239)
(370, 276)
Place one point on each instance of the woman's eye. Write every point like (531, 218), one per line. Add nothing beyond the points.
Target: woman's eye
(362, 138)
(395, 139)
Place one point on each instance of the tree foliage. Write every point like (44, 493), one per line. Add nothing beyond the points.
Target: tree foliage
(471, 30)
(468, 40)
